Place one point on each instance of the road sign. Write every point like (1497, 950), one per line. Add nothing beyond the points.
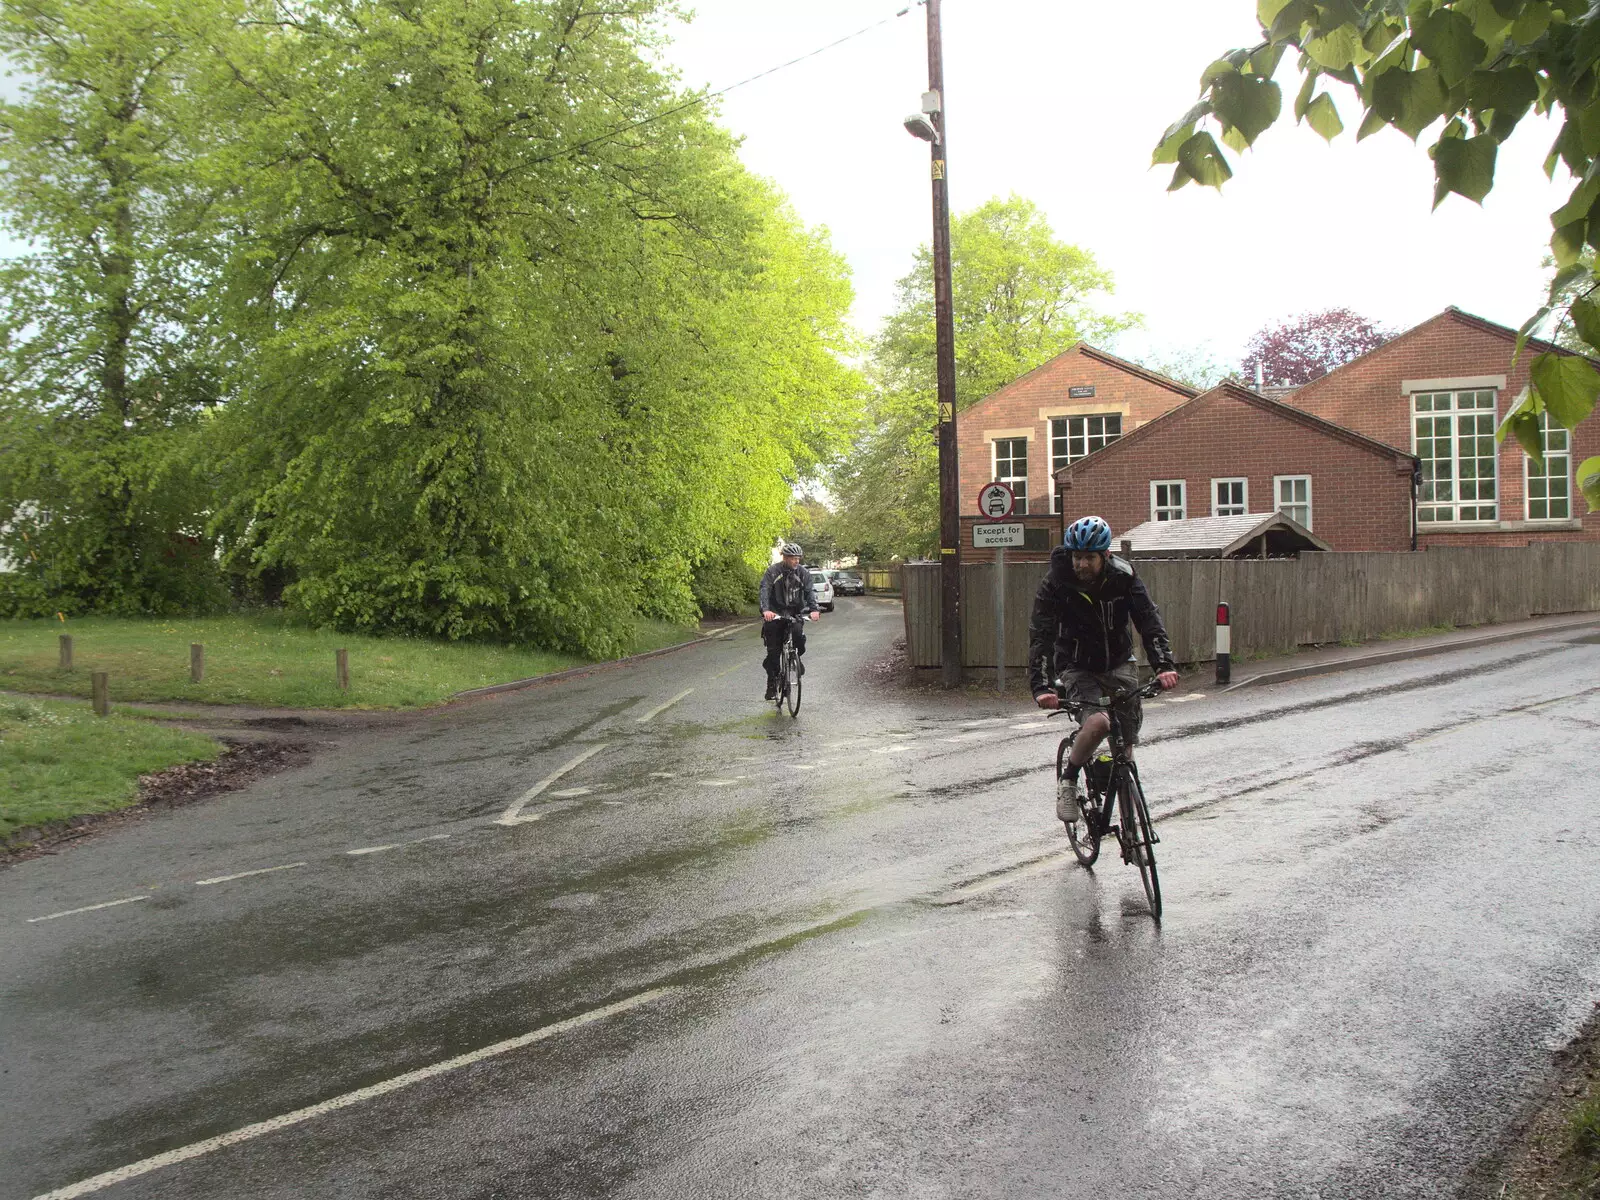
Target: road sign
(996, 501)
(995, 534)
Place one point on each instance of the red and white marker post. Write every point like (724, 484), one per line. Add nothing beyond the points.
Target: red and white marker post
(1224, 644)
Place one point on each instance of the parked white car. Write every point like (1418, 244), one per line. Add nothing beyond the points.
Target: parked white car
(823, 586)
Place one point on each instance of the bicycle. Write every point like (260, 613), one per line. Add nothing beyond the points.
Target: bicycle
(790, 669)
(1111, 781)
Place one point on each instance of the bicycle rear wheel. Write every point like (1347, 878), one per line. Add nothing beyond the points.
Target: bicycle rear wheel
(791, 671)
(1085, 841)
(1139, 837)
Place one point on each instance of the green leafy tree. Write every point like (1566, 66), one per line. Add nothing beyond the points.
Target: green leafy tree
(107, 359)
(525, 344)
(1480, 66)
(1020, 297)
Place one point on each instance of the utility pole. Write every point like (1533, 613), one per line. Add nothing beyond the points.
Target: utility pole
(945, 349)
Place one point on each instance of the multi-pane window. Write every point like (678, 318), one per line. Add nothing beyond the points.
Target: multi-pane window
(1229, 497)
(1073, 437)
(1550, 482)
(1011, 466)
(1294, 497)
(1166, 500)
(1455, 443)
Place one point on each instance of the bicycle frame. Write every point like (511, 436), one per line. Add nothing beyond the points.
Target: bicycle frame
(1122, 765)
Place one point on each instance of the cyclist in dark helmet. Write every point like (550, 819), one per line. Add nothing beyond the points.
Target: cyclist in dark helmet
(1080, 634)
(786, 593)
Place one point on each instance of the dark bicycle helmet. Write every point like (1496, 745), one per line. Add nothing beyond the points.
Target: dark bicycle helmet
(1089, 533)
(793, 548)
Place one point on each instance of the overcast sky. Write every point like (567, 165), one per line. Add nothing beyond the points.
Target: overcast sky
(1061, 101)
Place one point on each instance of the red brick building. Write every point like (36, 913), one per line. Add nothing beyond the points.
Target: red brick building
(1231, 451)
(1440, 390)
(1061, 411)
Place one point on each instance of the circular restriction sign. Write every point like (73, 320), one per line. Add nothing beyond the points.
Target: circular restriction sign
(996, 501)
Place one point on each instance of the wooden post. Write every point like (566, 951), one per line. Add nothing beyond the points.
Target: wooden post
(197, 662)
(66, 652)
(341, 660)
(100, 682)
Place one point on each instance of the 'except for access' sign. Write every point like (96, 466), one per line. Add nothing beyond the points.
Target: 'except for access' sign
(998, 535)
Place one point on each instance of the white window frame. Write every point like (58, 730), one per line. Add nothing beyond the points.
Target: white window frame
(1181, 508)
(1244, 492)
(1527, 472)
(1066, 458)
(1011, 480)
(1277, 497)
(1425, 518)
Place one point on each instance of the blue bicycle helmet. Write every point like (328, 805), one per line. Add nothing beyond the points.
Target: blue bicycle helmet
(1089, 533)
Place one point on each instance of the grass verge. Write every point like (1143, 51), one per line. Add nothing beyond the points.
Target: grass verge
(263, 659)
(58, 760)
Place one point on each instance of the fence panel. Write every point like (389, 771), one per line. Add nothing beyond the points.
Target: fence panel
(1279, 604)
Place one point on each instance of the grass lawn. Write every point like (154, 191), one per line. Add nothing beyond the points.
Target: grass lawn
(266, 660)
(57, 759)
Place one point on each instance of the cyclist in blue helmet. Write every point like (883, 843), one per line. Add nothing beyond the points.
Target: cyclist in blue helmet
(1080, 635)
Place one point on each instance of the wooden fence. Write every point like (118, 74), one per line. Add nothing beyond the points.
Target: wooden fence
(1280, 604)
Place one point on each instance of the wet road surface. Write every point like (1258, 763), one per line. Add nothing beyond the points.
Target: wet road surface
(636, 935)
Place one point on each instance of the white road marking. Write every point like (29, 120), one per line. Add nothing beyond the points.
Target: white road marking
(438, 837)
(615, 803)
(802, 767)
(72, 912)
(1032, 725)
(299, 1115)
(723, 782)
(985, 721)
(661, 708)
(663, 774)
(892, 749)
(246, 874)
(568, 793)
(513, 814)
(1005, 878)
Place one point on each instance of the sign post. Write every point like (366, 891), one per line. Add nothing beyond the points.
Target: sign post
(996, 501)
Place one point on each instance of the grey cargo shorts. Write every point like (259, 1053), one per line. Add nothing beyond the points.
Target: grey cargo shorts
(1087, 687)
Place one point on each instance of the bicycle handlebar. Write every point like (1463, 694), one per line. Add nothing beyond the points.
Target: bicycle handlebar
(1075, 708)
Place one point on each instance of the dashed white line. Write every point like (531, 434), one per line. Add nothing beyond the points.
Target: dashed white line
(72, 912)
(722, 782)
(1032, 725)
(246, 874)
(513, 814)
(802, 766)
(272, 1125)
(661, 708)
(568, 793)
(900, 749)
(438, 837)
(663, 774)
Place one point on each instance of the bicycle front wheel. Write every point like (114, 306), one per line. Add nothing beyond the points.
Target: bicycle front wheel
(791, 668)
(1139, 837)
(1085, 841)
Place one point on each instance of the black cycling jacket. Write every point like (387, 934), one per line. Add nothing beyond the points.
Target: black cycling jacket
(772, 591)
(1087, 625)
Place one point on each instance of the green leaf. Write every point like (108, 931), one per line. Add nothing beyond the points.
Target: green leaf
(1303, 100)
(1370, 124)
(1324, 117)
(1265, 60)
(1507, 93)
(1337, 48)
(1200, 159)
(1409, 100)
(1233, 138)
(1446, 37)
(1464, 166)
(1178, 133)
(1267, 11)
(1250, 103)
(1570, 277)
(1523, 423)
(1586, 319)
(1567, 385)
(1578, 204)
(1527, 329)
(1286, 26)
(1589, 481)
(1217, 70)
(1566, 243)
(1532, 24)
